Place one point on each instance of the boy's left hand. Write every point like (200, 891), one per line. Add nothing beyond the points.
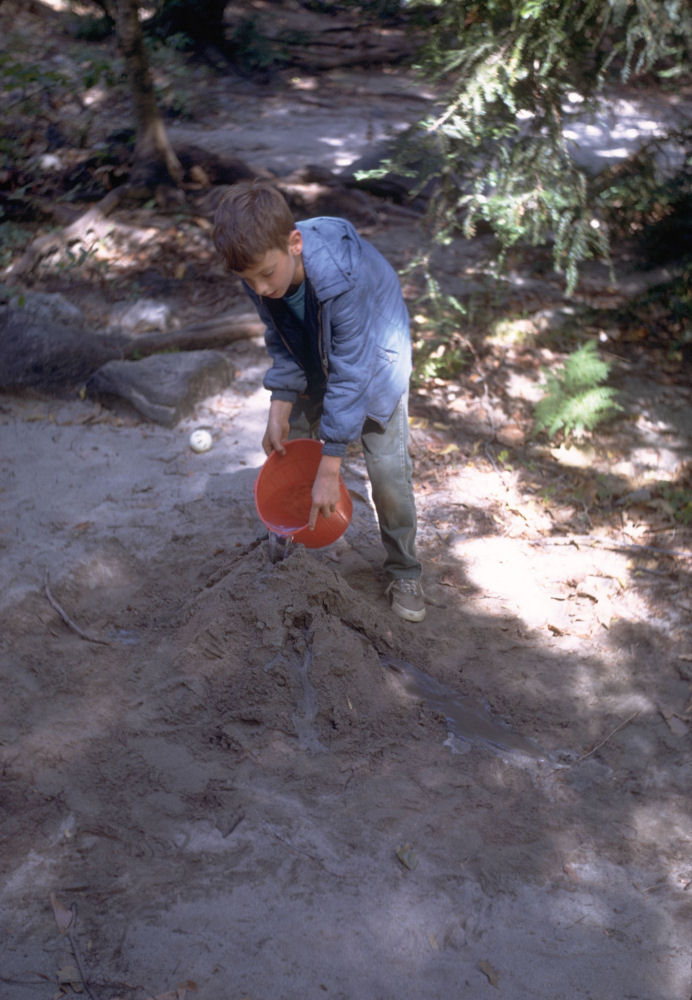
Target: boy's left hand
(326, 492)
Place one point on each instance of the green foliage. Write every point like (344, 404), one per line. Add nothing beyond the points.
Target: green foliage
(188, 24)
(639, 198)
(179, 41)
(95, 67)
(438, 357)
(92, 25)
(575, 398)
(252, 50)
(24, 83)
(440, 350)
(679, 500)
(508, 67)
(12, 238)
(33, 89)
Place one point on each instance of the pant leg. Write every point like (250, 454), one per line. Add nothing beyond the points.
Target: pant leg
(390, 470)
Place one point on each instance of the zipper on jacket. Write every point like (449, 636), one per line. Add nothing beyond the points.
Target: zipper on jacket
(324, 361)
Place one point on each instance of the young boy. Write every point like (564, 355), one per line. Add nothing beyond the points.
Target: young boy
(337, 331)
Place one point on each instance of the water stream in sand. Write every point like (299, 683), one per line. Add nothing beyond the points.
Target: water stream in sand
(465, 722)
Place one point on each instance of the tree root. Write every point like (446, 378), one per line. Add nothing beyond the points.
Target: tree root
(76, 231)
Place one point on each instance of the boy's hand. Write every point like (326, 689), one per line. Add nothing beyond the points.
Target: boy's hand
(278, 426)
(325, 490)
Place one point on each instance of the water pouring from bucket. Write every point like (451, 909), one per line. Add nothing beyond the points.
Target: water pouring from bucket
(283, 496)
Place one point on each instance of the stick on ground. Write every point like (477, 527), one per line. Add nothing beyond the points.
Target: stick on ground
(608, 737)
(66, 618)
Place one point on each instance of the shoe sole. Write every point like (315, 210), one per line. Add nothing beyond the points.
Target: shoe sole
(407, 614)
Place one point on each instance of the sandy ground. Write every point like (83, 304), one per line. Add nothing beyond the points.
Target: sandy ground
(210, 757)
(238, 780)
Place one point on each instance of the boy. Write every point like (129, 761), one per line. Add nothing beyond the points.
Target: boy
(337, 331)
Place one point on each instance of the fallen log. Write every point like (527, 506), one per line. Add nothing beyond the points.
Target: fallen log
(45, 344)
(219, 331)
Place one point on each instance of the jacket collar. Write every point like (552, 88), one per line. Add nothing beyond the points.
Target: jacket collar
(331, 252)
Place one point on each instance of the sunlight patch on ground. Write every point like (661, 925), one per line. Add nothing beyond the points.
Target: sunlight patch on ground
(36, 869)
(617, 130)
(95, 95)
(304, 83)
(655, 825)
(103, 572)
(62, 735)
(526, 387)
(105, 246)
(583, 598)
(504, 571)
(595, 690)
(236, 436)
(575, 456)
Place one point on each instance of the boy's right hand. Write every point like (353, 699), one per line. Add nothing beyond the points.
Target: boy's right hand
(278, 426)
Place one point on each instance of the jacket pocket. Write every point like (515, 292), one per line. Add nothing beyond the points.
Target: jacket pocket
(386, 356)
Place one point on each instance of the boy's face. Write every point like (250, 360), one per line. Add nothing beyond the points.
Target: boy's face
(272, 274)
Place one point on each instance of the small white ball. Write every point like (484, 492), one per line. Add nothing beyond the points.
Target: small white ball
(200, 440)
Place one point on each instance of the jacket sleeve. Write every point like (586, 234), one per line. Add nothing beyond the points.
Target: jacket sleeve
(285, 379)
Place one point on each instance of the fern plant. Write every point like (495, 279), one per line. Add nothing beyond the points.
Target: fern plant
(575, 398)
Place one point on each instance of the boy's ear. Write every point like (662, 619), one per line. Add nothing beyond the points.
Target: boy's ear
(295, 243)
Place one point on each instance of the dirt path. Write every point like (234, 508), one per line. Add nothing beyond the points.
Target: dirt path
(237, 792)
(216, 762)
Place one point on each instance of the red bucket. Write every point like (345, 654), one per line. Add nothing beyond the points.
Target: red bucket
(283, 496)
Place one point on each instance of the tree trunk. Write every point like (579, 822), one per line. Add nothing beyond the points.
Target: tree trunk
(155, 161)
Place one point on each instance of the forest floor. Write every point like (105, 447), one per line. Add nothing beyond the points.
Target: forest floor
(233, 779)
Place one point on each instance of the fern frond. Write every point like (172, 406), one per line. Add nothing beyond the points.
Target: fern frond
(575, 399)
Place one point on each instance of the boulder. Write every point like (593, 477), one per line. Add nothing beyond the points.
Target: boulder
(164, 387)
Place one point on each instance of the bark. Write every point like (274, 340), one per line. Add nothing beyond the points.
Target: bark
(328, 42)
(155, 160)
(206, 335)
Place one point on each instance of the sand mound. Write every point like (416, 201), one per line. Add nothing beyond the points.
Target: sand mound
(292, 647)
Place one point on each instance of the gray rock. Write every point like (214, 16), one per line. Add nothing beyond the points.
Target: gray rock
(163, 387)
(47, 307)
(141, 316)
(44, 343)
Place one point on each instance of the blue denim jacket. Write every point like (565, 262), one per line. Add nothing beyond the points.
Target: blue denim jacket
(364, 343)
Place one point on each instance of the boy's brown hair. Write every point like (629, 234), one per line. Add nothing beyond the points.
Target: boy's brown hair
(253, 218)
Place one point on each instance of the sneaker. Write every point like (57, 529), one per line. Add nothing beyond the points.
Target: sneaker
(407, 599)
